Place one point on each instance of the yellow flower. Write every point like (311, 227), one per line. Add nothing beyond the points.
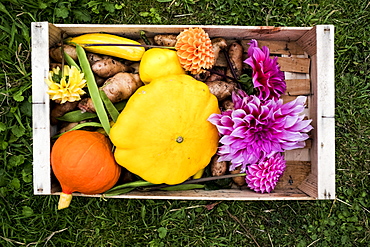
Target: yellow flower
(66, 86)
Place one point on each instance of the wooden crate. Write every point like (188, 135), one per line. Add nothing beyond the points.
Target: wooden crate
(306, 55)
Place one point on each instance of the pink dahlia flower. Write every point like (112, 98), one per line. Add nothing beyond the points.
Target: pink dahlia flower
(267, 77)
(263, 177)
(257, 129)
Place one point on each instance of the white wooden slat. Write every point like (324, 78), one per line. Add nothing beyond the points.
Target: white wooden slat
(323, 144)
(40, 108)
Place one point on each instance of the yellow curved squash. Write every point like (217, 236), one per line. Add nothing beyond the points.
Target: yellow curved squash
(163, 134)
(132, 53)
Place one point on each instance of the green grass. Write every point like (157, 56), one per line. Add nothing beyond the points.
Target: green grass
(31, 220)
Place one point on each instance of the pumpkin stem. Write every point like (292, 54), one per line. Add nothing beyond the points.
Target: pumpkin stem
(179, 139)
(64, 200)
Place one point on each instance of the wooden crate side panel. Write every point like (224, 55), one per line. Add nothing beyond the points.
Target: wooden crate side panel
(269, 35)
(228, 32)
(277, 47)
(40, 108)
(295, 87)
(55, 35)
(309, 185)
(295, 173)
(322, 113)
(308, 42)
(294, 64)
(225, 194)
(325, 92)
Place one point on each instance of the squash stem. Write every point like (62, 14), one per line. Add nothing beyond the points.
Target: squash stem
(64, 200)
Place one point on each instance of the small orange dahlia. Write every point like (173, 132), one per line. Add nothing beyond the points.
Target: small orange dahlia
(194, 50)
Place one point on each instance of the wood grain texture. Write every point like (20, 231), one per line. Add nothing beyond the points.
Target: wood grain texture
(295, 87)
(295, 173)
(224, 195)
(277, 47)
(294, 64)
(306, 57)
(233, 32)
(40, 108)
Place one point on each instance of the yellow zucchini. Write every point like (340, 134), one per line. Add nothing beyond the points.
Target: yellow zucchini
(131, 53)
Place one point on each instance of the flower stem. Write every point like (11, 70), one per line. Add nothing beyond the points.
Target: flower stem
(196, 181)
(134, 45)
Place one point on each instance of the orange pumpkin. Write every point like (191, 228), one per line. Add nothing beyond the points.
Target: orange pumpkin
(83, 161)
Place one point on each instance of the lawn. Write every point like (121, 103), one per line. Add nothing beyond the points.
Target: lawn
(28, 220)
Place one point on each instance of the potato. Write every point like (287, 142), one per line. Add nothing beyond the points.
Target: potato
(59, 110)
(55, 65)
(239, 181)
(86, 105)
(217, 74)
(121, 86)
(227, 105)
(218, 45)
(93, 57)
(108, 67)
(236, 59)
(56, 53)
(165, 39)
(218, 168)
(221, 89)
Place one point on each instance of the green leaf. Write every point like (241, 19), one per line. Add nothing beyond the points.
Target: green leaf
(109, 7)
(18, 131)
(164, 1)
(93, 88)
(27, 211)
(118, 6)
(42, 5)
(3, 145)
(184, 187)
(4, 10)
(71, 62)
(16, 160)
(112, 110)
(80, 126)
(15, 183)
(26, 108)
(143, 214)
(135, 184)
(82, 15)
(3, 179)
(27, 173)
(144, 14)
(162, 232)
(2, 126)
(27, 178)
(119, 192)
(77, 116)
(18, 97)
(62, 12)
(4, 191)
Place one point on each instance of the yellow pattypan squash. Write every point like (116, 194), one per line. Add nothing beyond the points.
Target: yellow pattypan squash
(163, 134)
(158, 62)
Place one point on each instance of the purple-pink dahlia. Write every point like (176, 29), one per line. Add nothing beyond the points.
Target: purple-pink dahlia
(263, 177)
(267, 77)
(256, 129)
